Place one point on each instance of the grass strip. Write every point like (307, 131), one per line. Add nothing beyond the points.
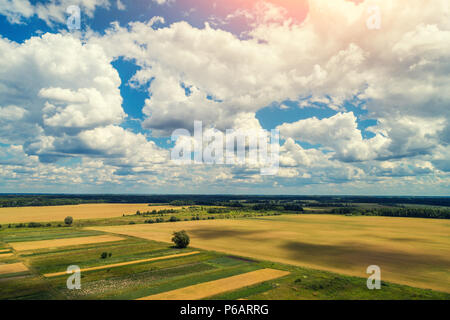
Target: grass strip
(55, 274)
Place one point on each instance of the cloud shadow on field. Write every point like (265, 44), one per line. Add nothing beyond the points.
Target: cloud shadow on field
(209, 234)
(349, 255)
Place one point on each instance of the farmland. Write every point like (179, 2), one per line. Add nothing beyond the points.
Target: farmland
(207, 289)
(33, 245)
(139, 268)
(81, 211)
(12, 268)
(410, 251)
(253, 251)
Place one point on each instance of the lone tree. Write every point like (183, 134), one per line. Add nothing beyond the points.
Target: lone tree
(181, 239)
(68, 220)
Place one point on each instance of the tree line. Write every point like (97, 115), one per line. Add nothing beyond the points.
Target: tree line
(435, 213)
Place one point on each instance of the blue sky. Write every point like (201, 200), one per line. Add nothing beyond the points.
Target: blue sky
(93, 110)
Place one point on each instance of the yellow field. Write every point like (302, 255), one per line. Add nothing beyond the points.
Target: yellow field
(55, 243)
(6, 255)
(4, 251)
(409, 251)
(121, 264)
(211, 288)
(12, 268)
(81, 211)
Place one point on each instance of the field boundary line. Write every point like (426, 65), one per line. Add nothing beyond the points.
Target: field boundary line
(120, 264)
(212, 288)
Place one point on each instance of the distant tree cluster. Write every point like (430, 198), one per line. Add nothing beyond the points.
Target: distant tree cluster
(182, 203)
(67, 221)
(29, 225)
(218, 210)
(154, 212)
(349, 210)
(157, 220)
(35, 225)
(435, 213)
(280, 207)
(292, 207)
(327, 204)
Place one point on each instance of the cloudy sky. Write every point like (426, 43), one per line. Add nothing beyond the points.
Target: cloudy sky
(359, 91)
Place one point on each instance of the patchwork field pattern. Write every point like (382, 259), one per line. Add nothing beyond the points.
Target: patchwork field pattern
(211, 288)
(409, 251)
(136, 268)
(55, 274)
(81, 211)
(55, 243)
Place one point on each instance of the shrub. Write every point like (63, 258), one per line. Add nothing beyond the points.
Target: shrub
(132, 222)
(68, 220)
(104, 255)
(173, 219)
(34, 225)
(181, 239)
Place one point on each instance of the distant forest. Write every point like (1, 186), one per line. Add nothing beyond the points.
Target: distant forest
(21, 200)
